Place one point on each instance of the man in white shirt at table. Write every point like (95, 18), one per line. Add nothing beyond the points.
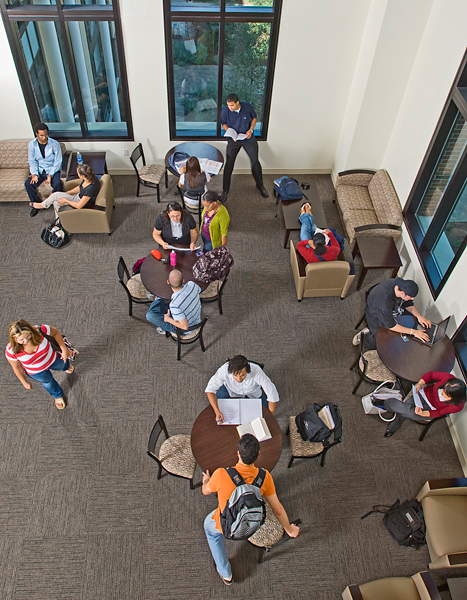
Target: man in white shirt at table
(238, 378)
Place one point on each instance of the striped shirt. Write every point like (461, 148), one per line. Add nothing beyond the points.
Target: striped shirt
(185, 304)
(38, 361)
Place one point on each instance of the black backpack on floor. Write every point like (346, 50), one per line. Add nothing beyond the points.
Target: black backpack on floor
(405, 522)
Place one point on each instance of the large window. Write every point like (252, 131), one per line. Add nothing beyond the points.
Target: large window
(436, 212)
(215, 48)
(459, 339)
(69, 58)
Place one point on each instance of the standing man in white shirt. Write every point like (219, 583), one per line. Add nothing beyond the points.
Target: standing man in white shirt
(239, 378)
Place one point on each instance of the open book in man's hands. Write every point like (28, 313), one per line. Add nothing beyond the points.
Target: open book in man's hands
(234, 135)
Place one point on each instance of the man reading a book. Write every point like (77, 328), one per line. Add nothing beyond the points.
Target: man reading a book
(221, 484)
(238, 378)
(240, 118)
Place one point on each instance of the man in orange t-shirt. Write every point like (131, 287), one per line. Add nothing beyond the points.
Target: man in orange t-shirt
(222, 484)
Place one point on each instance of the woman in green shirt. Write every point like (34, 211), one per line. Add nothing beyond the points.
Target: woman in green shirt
(214, 221)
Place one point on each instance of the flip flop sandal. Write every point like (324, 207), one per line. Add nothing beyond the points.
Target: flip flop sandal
(70, 370)
(60, 403)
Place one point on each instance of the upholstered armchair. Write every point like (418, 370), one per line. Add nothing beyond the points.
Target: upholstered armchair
(444, 503)
(418, 587)
(90, 220)
(313, 280)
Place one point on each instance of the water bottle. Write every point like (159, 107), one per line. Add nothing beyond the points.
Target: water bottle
(79, 158)
(173, 258)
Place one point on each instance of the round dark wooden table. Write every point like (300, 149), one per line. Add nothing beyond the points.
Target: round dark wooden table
(215, 446)
(155, 273)
(411, 360)
(198, 149)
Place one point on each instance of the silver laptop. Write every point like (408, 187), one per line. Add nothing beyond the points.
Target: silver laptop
(436, 332)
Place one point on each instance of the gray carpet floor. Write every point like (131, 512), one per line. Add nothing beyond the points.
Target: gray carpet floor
(82, 514)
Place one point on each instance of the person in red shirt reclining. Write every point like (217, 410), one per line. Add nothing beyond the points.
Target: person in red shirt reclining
(316, 250)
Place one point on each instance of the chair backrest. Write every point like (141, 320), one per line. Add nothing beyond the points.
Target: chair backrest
(136, 155)
(200, 326)
(261, 365)
(122, 271)
(158, 428)
(105, 196)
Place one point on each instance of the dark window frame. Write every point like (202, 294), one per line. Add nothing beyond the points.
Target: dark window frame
(61, 14)
(425, 242)
(223, 16)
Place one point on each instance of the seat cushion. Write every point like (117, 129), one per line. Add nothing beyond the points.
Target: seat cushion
(136, 287)
(189, 336)
(446, 524)
(376, 369)
(298, 446)
(211, 290)
(176, 456)
(384, 199)
(269, 533)
(392, 588)
(12, 184)
(354, 197)
(152, 173)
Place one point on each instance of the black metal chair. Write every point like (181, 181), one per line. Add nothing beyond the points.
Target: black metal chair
(304, 449)
(366, 298)
(270, 535)
(214, 292)
(370, 367)
(148, 175)
(191, 209)
(195, 332)
(174, 454)
(427, 424)
(133, 286)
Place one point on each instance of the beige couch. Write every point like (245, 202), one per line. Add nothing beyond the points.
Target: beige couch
(313, 280)
(14, 170)
(90, 220)
(368, 204)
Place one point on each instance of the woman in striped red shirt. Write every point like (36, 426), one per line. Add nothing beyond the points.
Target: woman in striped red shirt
(29, 351)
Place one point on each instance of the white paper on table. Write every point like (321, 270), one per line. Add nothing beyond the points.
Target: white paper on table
(238, 411)
(169, 247)
(210, 166)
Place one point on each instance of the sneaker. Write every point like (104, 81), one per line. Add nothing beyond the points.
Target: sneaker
(378, 404)
(161, 331)
(357, 336)
(227, 581)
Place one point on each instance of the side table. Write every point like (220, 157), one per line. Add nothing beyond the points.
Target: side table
(96, 160)
(376, 253)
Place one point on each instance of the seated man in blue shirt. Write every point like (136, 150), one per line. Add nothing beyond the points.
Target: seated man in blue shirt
(241, 117)
(184, 309)
(45, 163)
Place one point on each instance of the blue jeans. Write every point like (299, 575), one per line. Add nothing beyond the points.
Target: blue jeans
(207, 244)
(217, 546)
(308, 228)
(47, 380)
(222, 392)
(156, 312)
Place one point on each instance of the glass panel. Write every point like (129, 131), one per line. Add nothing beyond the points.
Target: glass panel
(29, 2)
(442, 173)
(460, 345)
(86, 2)
(195, 4)
(246, 64)
(97, 65)
(250, 3)
(195, 48)
(49, 73)
(453, 234)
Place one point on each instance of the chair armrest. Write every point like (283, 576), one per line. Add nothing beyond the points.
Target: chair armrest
(69, 185)
(352, 592)
(443, 487)
(426, 586)
(377, 226)
(450, 561)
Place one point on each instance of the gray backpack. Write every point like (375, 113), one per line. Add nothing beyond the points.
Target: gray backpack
(245, 510)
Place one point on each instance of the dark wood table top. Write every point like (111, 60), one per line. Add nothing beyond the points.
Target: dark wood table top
(378, 252)
(291, 210)
(96, 160)
(215, 446)
(154, 273)
(411, 360)
(198, 149)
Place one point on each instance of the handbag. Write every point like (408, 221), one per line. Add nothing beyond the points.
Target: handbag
(54, 235)
(53, 342)
(382, 392)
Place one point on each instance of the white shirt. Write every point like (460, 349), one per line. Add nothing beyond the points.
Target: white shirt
(177, 231)
(250, 387)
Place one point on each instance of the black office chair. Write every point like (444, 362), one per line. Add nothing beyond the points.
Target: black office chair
(174, 454)
(191, 209)
(195, 332)
(370, 367)
(148, 175)
(133, 286)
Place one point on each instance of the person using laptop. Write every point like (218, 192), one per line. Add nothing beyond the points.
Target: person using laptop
(438, 394)
(239, 378)
(390, 304)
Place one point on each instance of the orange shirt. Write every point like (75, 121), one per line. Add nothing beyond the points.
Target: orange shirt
(221, 484)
